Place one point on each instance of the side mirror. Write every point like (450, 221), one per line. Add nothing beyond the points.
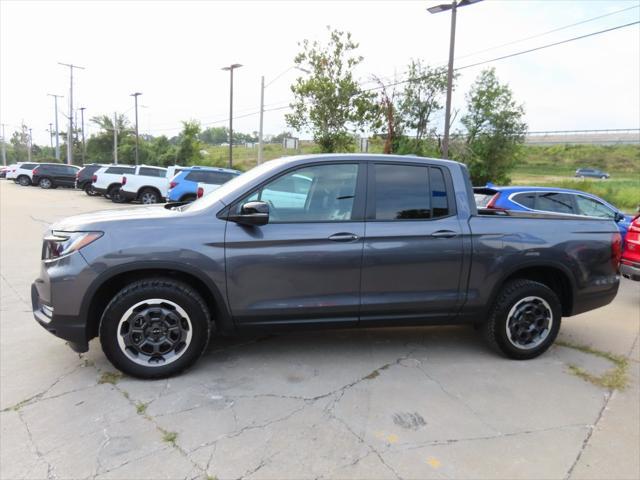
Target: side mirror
(252, 213)
(618, 217)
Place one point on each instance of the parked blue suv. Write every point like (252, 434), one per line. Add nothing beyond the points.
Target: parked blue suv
(184, 186)
(549, 199)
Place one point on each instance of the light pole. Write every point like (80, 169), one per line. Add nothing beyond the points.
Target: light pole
(84, 150)
(231, 68)
(55, 102)
(135, 98)
(262, 87)
(30, 144)
(50, 135)
(70, 132)
(452, 40)
(4, 148)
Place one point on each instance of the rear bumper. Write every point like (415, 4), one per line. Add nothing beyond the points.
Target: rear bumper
(128, 196)
(630, 271)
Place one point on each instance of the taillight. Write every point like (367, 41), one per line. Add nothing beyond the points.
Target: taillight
(635, 226)
(77, 175)
(34, 171)
(616, 249)
(173, 184)
(200, 192)
(124, 180)
(94, 179)
(492, 202)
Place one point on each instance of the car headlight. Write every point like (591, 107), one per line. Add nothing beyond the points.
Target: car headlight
(59, 244)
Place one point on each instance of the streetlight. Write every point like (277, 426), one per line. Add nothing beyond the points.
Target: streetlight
(51, 135)
(84, 148)
(135, 98)
(230, 68)
(262, 87)
(447, 115)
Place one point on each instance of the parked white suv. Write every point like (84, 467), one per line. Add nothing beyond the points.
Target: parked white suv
(23, 173)
(148, 184)
(11, 171)
(107, 180)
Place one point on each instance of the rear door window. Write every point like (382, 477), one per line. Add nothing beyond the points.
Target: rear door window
(152, 172)
(119, 170)
(401, 192)
(555, 202)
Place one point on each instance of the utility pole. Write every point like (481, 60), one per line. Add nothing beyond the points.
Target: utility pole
(4, 147)
(84, 150)
(55, 99)
(135, 98)
(30, 145)
(50, 135)
(452, 40)
(115, 138)
(231, 68)
(70, 132)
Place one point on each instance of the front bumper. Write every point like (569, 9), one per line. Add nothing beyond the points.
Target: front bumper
(630, 271)
(70, 328)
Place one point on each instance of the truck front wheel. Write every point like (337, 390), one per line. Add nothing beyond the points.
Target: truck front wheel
(155, 328)
(524, 320)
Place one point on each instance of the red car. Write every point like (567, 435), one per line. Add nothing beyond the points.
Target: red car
(630, 262)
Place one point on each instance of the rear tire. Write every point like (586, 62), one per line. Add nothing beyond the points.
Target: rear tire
(23, 180)
(524, 320)
(149, 196)
(155, 328)
(45, 183)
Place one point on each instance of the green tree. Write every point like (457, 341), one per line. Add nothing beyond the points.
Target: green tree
(189, 146)
(100, 144)
(215, 135)
(20, 144)
(495, 130)
(422, 97)
(329, 101)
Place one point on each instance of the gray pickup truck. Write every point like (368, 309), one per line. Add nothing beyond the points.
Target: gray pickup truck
(319, 241)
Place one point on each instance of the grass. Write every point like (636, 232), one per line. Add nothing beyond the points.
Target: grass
(141, 408)
(613, 379)
(169, 437)
(110, 377)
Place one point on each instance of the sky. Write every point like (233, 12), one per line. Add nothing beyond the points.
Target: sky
(173, 52)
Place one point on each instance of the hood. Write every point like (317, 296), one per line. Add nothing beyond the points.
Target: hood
(98, 220)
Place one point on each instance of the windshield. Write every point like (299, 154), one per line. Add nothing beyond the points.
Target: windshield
(237, 183)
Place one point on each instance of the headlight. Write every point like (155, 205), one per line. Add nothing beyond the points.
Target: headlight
(58, 244)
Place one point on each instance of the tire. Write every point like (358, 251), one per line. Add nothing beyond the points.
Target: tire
(186, 317)
(188, 198)
(88, 189)
(149, 196)
(45, 183)
(23, 180)
(524, 320)
(114, 195)
(603, 177)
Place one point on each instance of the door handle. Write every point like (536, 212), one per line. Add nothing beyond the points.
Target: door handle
(444, 234)
(343, 237)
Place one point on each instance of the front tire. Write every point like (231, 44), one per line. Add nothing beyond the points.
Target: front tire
(89, 190)
(524, 320)
(155, 328)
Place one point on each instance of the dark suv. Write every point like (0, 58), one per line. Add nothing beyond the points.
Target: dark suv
(591, 172)
(84, 178)
(54, 176)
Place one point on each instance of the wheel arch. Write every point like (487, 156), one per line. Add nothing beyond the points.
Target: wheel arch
(556, 277)
(105, 287)
(149, 187)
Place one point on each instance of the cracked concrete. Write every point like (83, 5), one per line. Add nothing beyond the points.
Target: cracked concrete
(371, 404)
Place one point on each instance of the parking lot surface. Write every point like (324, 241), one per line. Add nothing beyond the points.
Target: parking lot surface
(410, 403)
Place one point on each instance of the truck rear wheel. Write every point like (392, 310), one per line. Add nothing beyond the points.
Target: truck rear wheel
(155, 328)
(524, 320)
(149, 196)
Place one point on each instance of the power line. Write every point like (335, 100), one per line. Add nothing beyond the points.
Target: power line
(546, 33)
